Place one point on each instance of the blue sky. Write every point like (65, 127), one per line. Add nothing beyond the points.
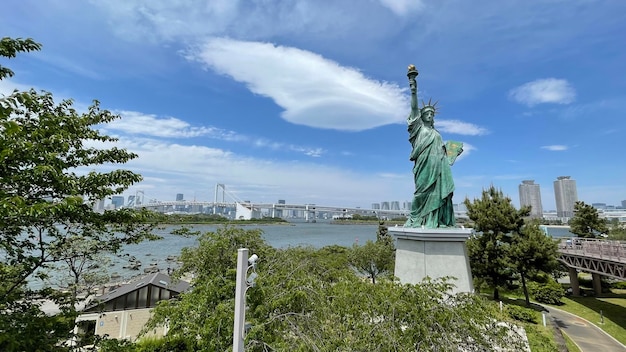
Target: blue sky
(306, 100)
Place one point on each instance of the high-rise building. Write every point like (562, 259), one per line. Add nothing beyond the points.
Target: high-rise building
(530, 195)
(179, 197)
(376, 206)
(384, 206)
(395, 205)
(117, 201)
(624, 204)
(566, 195)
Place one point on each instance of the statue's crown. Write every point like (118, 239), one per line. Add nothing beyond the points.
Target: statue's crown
(430, 106)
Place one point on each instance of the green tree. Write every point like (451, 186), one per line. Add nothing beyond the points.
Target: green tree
(10, 47)
(309, 299)
(383, 236)
(372, 259)
(586, 221)
(77, 268)
(203, 318)
(495, 221)
(532, 251)
(46, 198)
(617, 230)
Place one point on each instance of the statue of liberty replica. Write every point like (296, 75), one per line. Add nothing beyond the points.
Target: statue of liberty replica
(429, 245)
(432, 200)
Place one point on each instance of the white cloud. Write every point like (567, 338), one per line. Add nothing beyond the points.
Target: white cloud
(555, 147)
(402, 7)
(176, 20)
(548, 90)
(193, 168)
(67, 64)
(460, 127)
(7, 86)
(133, 122)
(149, 125)
(313, 152)
(314, 91)
(169, 19)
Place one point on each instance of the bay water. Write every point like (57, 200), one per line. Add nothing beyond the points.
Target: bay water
(319, 234)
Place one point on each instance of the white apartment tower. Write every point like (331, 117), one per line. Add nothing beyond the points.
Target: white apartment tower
(566, 195)
(530, 194)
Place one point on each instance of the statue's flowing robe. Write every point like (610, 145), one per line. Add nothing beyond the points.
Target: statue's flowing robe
(432, 201)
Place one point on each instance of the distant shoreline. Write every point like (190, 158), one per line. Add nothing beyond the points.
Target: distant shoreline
(365, 222)
(234, 222)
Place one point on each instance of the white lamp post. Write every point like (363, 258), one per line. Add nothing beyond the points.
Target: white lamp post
(243, 283)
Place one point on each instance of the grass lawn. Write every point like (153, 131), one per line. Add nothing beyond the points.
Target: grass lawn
(571, 346)
(540, 338)
(612, 305)
(613, 309)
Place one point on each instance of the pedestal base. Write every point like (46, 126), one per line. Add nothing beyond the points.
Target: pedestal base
(434, 253)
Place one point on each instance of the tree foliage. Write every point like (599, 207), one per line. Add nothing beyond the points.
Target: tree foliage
(309, 299)
(10, 47)
(383, 236)
(505, 248)
(495, 221)
(532, 252)
(46, 197)
(586, 221)
(207, 311)
(548, 292)
(374, 258)
(617, 230)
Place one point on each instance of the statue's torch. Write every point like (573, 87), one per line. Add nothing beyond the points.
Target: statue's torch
(412, 73)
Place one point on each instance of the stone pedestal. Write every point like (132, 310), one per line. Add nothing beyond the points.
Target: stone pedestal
(433, 253)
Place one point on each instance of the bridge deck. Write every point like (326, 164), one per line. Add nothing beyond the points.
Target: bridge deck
(596, 256)
(594, 248)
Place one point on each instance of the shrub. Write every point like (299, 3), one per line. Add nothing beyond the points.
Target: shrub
(550, 292)
(521, 314)
(588, 282)
(619, 285)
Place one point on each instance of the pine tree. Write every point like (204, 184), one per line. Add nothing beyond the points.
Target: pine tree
(495, 221)
(586, 221)
(532, 251)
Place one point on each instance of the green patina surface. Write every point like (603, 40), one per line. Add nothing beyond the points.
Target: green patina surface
(431, 206)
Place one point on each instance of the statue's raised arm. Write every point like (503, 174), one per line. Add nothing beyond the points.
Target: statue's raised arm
(415, 111)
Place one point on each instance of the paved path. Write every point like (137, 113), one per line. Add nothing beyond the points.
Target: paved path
(587, 336)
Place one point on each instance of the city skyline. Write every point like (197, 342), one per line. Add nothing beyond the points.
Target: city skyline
(307, 100)
(529, 187)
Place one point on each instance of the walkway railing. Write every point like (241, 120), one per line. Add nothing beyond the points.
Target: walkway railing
(594, 248)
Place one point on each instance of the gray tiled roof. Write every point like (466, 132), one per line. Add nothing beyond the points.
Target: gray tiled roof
(156, 279)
